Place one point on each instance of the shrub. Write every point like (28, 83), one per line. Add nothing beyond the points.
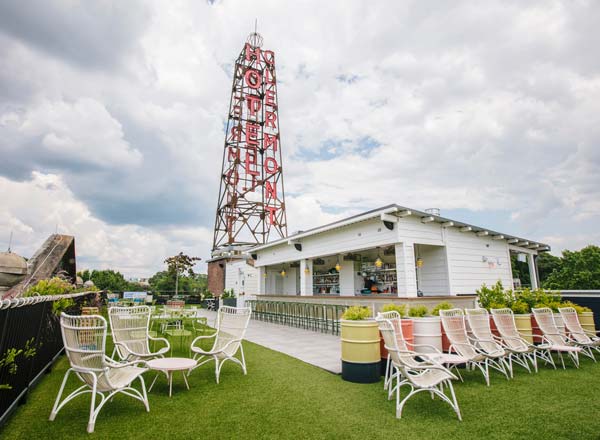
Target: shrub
(400, 308)
(357, 313)
(444, 305)
(579, 309)
(520, 307)
(417, 311)
(53, 286)
(228, 294)
(489, 295)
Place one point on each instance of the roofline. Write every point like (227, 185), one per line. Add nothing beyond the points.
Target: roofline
(393, 209)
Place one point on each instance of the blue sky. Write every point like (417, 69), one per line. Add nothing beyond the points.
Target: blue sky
(112, 116)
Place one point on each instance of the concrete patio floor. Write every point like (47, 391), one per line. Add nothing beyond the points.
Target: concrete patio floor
(319, 349)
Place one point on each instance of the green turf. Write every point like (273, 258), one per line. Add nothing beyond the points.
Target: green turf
(282, 397)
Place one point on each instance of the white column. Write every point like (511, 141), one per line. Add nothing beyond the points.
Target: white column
(347, 278)
(306, 279)
(262, 280)
(532, 271)
(405, 269)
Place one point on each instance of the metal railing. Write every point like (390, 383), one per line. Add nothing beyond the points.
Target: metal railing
(29, 343)
(310, 316)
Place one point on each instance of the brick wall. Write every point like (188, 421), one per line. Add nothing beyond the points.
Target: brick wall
(216, 276)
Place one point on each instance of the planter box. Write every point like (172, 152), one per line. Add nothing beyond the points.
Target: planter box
(407, 333)
(428, 331)
(586, 319)
(360, 351)
(524, 326)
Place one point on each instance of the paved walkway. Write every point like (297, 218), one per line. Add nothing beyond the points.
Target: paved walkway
(320, 349)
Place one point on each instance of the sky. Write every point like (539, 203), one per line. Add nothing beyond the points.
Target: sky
(112, 116)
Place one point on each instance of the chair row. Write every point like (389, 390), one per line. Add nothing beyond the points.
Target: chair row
(473, 344)
(318, 317)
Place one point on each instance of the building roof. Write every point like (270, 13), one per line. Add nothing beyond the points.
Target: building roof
(401, 211)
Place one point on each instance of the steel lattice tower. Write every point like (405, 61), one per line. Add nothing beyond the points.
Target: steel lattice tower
(251, 206)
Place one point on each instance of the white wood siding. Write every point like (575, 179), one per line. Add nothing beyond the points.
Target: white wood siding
(468, 271)
(241, 277)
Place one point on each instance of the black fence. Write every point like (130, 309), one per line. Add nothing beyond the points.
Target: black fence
(29, 343)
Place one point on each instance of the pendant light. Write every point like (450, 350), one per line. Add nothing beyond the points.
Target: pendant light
(282, 272)
(337, 265)
(419, 262)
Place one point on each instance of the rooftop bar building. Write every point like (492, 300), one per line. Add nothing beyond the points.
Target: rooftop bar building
(388, 252)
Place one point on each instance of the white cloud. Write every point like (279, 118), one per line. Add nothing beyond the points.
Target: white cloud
(487, 108)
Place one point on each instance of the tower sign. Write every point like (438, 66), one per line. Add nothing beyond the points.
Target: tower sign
(251, 206)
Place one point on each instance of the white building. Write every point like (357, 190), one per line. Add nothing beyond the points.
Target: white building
(402, 252)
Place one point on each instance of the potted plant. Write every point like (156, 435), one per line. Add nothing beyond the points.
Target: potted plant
(407, 326)
(229, 298)
(585, 315)
(427, 329)
(360, 345)
(522, 315)
(444, 305)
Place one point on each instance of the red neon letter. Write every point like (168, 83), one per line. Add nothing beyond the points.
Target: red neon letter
(252, 134)
(271, 165)
(253, 78)
(270, 119)
(269, 57)
(232, 173)
(253, 53)
(272, 210)
(270, 98)
(271, 190)
(254, 104)
(233, 154)
(271, 141)
(269, 77)
(251, 160)
(236, 133)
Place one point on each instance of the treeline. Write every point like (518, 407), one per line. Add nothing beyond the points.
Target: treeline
(163, 281)
(574, 270)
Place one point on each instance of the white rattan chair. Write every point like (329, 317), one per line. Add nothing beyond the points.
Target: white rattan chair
(478, 355)
(418, 375)
(577, 334)
(557, 341)
(514, 342)
(425, 350)
(84, 338)
(130, 326)
(231, 326)
(478, 321)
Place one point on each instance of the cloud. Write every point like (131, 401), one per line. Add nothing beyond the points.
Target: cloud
(489, 112)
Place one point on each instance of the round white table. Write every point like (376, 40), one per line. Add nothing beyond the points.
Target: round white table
(170, 365)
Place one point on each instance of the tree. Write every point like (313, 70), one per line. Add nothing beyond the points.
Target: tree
(578, 270)
(546, 264)
(179, 264)
(109, 280)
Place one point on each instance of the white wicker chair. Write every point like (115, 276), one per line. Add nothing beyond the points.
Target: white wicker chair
(425, 350)
(578, 335)
(231, 326)
(478, 321)
(84, 338)
(419, 375)
(453, 321)
(557, 341)
(514, 342)
(129, 326)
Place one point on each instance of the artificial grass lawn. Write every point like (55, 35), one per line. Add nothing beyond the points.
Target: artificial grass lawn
(282, 397)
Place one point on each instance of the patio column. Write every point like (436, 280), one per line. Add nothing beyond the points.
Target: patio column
(262, 280)
(346, 278)
(532, 271)
(306, 279)
(405, 269)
